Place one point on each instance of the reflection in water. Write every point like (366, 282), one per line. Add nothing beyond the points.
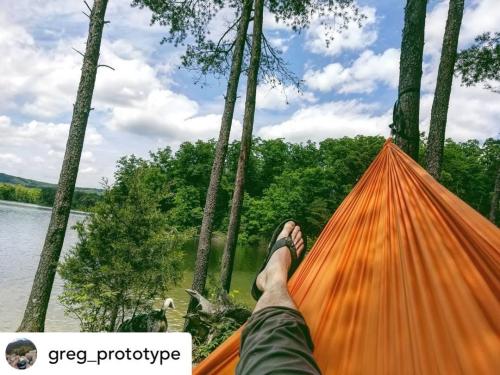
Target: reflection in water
(22, 232)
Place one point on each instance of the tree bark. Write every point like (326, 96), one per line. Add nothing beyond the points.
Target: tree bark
(439, 112)
(410, 74)
(36, 309)
(203, 252)
(113, 317)
(246, 144)
(494, 199)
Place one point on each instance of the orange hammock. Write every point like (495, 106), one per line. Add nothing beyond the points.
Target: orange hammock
(404, 279)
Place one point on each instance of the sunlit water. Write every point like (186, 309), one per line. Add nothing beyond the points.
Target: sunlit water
(22, 232)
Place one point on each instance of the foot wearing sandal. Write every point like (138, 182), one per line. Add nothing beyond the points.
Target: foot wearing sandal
(275, 273)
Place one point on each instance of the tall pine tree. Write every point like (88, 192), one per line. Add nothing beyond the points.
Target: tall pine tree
(410, 73)
(36, 309)
(439, 112)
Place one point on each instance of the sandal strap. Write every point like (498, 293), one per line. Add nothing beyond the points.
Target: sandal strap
(286, 242)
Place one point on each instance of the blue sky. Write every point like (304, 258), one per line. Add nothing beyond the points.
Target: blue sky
(147, 102)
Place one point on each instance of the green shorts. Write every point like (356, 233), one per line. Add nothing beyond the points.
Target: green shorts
(276, 340)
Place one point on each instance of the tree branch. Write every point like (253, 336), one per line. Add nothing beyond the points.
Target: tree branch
(74, 49)
(88, 6)
(105, 66)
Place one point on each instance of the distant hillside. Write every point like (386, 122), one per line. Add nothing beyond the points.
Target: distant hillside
(8, 179)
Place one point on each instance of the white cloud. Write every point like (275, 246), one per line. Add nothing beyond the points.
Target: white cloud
(473, 111)
(479, 17)
(330, 119)
(363, 76)
(10, 158)
(280, 43)
(279, 97)
(270, 22)
(354, 38)
(134, 96)
(167, 115)
(25, 70)
(88, 156)
(36, 149)
(87, 170)
(39, 81)
(51, 135)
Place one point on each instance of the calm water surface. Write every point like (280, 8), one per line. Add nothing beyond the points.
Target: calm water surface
(22, 232)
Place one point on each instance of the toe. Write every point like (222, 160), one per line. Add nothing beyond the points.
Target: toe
(296, 233)
(288, 228)
(299, 245)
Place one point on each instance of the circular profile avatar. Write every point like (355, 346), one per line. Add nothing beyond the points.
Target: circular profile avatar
(21, 354)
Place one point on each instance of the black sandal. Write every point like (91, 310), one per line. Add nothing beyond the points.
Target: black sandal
(278, 244)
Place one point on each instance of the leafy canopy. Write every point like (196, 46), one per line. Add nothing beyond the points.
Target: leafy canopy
(189, 24)
(126, 256)
(480, 63)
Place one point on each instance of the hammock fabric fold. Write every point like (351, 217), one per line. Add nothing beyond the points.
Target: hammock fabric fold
(404, 279)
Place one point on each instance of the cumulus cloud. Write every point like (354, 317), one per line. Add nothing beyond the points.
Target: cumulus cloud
(27, 74)
(280, 43)
(363, 76)
(473, 111)
(40, 77)
(51, 135)
(40, 74)
(330, 119)
(164, 114)
(355, 37)
(36, 149)
(134, 97)
(479, 16)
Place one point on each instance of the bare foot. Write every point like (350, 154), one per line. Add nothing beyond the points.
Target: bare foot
(276, 272)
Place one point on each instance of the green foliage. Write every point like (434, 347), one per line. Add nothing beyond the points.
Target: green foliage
(469, 171)
(189, 24)
(222, 328)
(304, 180)
(127, 254)
(480, 63)
(44, 196)
(19, 193)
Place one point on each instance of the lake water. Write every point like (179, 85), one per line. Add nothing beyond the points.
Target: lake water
(22, 232)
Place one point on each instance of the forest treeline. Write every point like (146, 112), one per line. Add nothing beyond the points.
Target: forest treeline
(44, 196)
(307, 181)
(303, 180)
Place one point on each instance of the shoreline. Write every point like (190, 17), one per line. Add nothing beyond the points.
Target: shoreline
(38, 207)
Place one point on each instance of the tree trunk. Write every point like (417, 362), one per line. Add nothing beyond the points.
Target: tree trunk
(439, 113)
(203, 252)
(494, 199)
(246, 144)
(36, 309)
(113, 317)
(410, 73)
